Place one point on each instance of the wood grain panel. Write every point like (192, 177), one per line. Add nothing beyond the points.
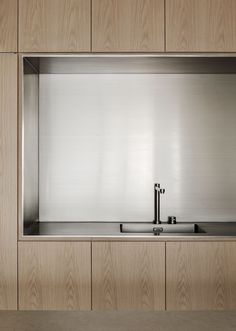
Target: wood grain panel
(54, 26)
(128, 276)
(201, 276)
(54, 276)
(201, 25)
(128, 25)
(8, 25)
(8, 181)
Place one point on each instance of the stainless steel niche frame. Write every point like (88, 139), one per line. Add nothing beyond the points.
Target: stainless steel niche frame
(135, 119)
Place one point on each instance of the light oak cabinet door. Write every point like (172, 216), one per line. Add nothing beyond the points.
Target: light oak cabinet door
(128, 276)
(201, 25)
(8, 181)
(201, 276)
(8, 25)
(128, 25)
(54, 276)
(54, 25)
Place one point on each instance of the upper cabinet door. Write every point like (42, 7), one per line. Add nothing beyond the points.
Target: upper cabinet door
(8, 25)
(8, 181)
(128, 25)
(201, 25)
(54, 25)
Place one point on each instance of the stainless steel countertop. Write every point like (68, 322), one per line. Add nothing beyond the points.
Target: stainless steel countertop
(107, 231)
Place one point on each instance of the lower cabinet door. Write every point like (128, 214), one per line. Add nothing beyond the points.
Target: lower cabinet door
(54, 276)
(201, 275)
(128, 276)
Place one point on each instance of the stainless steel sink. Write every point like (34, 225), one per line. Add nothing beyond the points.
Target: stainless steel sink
(158, 228)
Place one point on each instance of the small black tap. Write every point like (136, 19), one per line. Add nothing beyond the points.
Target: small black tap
(157, 202)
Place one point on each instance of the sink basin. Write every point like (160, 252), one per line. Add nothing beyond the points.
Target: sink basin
(158, 228)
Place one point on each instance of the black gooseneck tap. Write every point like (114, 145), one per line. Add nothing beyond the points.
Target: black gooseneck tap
(157, 202)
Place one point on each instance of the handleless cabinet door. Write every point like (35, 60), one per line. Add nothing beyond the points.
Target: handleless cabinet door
(201, 276)
(54, 276)
(8, 181)
(8, 25)
(201, 25)
(54, 25)
(128, 25)
(128, 276)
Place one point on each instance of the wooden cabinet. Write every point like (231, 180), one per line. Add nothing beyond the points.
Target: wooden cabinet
(54, 25)
(119, 25)
(128, 276)
(201, 276)
(128, 25)
(8, 181)
(54, 276)
(8, 25)
(201, 25)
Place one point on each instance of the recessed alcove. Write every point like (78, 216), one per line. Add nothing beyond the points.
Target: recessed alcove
(96, 132)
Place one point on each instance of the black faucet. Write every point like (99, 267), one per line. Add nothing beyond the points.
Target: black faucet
(157, 202)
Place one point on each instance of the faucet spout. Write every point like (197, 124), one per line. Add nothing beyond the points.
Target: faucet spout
(157, 202)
